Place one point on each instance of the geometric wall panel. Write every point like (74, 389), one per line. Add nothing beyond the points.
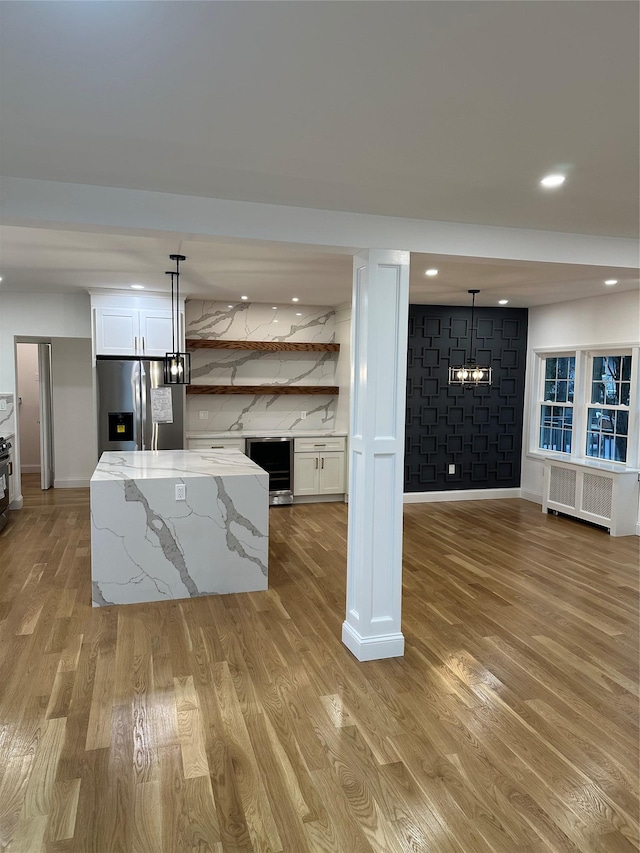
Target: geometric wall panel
(480, 429)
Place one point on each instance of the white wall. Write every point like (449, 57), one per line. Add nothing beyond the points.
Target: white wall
(45, 316)
(74, 427)
(29, 408)
(610, 319)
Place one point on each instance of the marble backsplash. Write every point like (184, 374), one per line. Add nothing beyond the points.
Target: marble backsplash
(7, 415)
(254, 321)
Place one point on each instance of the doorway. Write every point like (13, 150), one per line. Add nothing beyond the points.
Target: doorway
(34, 410)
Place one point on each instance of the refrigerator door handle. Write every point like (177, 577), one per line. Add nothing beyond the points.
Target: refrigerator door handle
(143, 407)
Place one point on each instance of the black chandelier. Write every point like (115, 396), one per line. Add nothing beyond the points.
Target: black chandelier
(470, 373)
(177, 365)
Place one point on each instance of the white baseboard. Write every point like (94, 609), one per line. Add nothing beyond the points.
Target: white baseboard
(30, 469)
(70, 484)
(638, 529)
(372, 648)
(534, 497)
(462, 495)
(17, 503)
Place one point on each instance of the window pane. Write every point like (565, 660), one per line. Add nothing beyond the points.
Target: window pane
(597, 392)
(626, 368)
(625, 393)
(563, 368)
(622, 423)
(555, 428)
(598, 367)
(550, 368)
(550, 391)
(620, 447)
(561, 391)
(607, 434)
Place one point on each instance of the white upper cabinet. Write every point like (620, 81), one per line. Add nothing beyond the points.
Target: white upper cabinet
(141, 327)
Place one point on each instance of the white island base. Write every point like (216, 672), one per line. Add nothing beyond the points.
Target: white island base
(147, 546)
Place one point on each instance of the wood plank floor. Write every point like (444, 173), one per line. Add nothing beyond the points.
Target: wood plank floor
(241, 723)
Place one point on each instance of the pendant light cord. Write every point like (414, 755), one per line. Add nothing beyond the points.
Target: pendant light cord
(173, 322)
(472, 355)
(177, 301)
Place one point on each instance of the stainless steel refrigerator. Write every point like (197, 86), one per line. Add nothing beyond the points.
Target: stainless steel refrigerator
(136, 410)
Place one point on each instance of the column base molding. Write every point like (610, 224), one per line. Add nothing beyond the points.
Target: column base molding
(372, 648)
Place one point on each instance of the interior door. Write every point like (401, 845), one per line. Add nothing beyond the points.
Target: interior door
(46, 418)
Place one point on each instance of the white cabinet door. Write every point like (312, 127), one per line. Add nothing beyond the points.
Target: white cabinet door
(117, 331)
(306, 467)
(156, 332)
(331, 473)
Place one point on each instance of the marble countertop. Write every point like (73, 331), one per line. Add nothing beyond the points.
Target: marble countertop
(267, 433)
(173, 464)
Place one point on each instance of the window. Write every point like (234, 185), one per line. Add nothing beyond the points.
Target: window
(556, 414)
(586, 405)
(608, 419)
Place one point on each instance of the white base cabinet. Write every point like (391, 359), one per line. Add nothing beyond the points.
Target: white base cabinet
(319, 466)
(216, 444)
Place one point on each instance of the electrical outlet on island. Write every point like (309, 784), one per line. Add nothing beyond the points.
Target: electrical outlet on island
(303, 415)
(203, 414)
(181, 492)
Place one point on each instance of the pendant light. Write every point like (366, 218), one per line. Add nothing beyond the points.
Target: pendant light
(470, 373)
(177, 365)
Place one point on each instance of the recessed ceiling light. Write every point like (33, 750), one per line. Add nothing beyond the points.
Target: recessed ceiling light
(0, 278)
(244, 298)
(136, 286)
(229, 306)
(553, 181)
(611, 281)
(503, 301)
(431, 272)
(274, 307)
(295, 299)
(298, 313)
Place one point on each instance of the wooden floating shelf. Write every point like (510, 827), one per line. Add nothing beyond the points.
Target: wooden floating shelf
(265, 346)
(262, 389)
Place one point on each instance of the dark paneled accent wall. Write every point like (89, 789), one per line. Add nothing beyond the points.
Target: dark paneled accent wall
(478, 430)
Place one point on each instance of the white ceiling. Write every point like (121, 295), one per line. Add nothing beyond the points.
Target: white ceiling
(65, 261)
(435, 110)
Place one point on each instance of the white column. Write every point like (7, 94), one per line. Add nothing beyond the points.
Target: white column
(371, 629)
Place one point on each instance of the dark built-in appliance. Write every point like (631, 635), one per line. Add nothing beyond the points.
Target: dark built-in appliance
(275, 456)
(136, 410)
(5, 473)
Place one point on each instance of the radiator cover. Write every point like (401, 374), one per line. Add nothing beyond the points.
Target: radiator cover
(594, 492)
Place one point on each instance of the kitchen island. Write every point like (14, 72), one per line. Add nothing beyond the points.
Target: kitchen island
(146, 545)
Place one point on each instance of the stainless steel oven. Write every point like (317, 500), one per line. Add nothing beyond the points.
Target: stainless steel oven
(275, 456)
(5, 473)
